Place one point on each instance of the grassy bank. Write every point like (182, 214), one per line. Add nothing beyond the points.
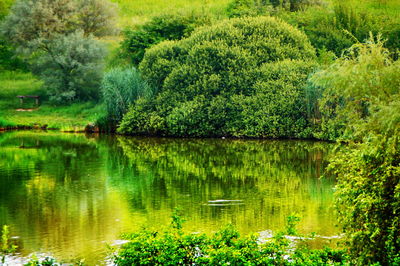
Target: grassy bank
(72, 117)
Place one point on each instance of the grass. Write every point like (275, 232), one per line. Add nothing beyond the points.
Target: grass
(72, 117)
(136, 12)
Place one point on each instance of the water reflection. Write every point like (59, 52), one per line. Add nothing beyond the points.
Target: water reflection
(69, 194)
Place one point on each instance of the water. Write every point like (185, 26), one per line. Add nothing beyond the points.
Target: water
(69, 195)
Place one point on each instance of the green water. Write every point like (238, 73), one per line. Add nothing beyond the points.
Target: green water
(69, 194)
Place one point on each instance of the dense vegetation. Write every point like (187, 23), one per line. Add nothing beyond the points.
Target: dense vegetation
(158, 29)
(225, 247)
(56, 37)
(242, 77)
(362, 101)
(276, 69)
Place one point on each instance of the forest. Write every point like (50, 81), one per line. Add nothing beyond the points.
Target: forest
(319, 70)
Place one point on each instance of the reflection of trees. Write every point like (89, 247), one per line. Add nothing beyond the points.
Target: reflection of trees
(52, 191)
(64, 191)
(273, 178)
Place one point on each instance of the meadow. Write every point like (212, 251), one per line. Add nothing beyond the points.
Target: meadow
(67, 118)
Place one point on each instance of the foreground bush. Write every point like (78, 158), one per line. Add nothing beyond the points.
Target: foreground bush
(241, 77)
(226, 247)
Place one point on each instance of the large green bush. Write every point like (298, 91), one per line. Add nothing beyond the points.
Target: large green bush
(241, 77)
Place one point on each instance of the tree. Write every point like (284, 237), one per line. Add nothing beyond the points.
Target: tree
(55, 35)
(32, 22)
(71, 68)
(96, 17)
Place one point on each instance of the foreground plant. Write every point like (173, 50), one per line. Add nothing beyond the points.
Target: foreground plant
(5, 246)
(226, 247)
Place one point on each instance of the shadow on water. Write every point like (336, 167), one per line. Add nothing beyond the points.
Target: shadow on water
(70, 194)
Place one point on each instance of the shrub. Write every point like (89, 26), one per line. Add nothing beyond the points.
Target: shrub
(362, 99)
(120, 87)
(241, 77)
(353, 88)
(158, 29)
(225, 247)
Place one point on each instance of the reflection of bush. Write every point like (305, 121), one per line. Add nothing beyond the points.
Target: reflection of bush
(226, 160)
(272, 177)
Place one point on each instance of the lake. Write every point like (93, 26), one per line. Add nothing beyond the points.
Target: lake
(70, 195)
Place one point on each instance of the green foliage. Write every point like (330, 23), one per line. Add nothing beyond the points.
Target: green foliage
(8, 57)
(72, 68)
(120, 87)
(353, 87)
(225, 247)
(158, 29)
(5, 7)
(291, 223)
(338, 28)
(242, 8)
(241, 77)
(5, 246)
(368, 194)
(47, 261)
(56, 37)
(361, 103)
